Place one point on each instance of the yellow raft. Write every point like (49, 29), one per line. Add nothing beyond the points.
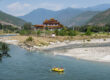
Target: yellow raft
(58, 69)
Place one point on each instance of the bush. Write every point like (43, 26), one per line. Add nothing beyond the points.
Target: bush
(88, 40)
(29, 39)
(38, 32)
(63, 32)
(25, 32)
(71, 33)
(104, 39)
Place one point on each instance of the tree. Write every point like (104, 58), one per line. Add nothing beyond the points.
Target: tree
(0, 26)
(27, 26)
(88, 32)
(4, 48)
(57, 32)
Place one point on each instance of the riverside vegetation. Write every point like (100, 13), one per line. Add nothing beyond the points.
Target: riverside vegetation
(29, 36)
(4, 48)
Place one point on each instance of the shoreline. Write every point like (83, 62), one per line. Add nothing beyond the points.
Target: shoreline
(100, 54)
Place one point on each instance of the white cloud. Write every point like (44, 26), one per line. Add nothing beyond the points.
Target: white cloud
(18, 8)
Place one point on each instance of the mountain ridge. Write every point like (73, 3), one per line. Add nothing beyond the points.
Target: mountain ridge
(65, 16)
(101, 19)
(38, 16)
(10, 20)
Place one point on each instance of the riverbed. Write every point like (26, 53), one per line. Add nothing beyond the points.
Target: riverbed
(25, 65)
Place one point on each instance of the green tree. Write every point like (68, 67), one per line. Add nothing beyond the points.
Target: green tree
(0, 26)
(4, 48)
(57, 32)
(88, 32)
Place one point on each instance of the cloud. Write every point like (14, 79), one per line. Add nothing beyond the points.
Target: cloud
(18, 9)
(18, 6)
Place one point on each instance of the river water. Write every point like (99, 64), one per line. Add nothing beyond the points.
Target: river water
(8, 35)
(24, 65)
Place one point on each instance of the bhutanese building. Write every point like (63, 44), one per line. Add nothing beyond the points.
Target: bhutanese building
(51, 24)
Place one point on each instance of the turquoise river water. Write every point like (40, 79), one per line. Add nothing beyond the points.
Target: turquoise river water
(24, 65)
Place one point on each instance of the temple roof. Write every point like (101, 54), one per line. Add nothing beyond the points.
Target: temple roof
(51, 21)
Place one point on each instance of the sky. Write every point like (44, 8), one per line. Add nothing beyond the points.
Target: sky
(22, 7)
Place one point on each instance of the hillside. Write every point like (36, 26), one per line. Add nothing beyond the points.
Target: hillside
(101, 19)
(83, 18)
(39, 15)
(8, 19)
(101, 7)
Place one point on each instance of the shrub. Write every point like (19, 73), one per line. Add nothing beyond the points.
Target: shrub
(25, 32)
(104, 39)
(88, 40)
(71, 33)
(38, 32)
(29, 39)
(75, 33)
(63, 32)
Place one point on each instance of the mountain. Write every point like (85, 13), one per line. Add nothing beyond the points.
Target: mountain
(67, 17)
(83, 18)
(101, 7)
(10, 20)
(39, 15)
(101, 19)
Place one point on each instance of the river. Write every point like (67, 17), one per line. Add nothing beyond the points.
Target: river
(7, 35)
(24, 65)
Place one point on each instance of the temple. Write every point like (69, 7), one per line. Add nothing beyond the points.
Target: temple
(50, 24)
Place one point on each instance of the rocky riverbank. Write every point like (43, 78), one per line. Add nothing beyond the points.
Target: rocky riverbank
(93, 49)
